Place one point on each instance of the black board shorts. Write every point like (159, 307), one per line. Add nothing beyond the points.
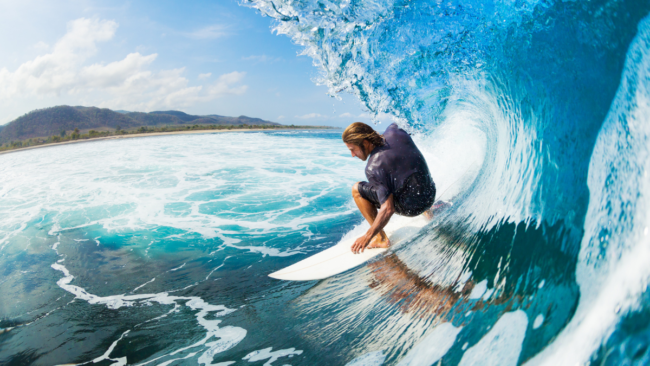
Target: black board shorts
(416, 195)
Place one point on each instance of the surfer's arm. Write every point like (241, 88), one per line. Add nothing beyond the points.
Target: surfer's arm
(386, 210)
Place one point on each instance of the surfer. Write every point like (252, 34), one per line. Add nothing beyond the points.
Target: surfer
(398, 180)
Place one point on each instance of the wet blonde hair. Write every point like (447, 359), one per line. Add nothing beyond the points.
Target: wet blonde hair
(359, 131)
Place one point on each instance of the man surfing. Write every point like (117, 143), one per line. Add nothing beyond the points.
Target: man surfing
(398, 180)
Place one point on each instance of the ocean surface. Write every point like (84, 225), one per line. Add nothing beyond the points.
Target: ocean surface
(534, 118)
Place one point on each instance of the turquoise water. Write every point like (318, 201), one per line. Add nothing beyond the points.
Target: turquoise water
(148, 245)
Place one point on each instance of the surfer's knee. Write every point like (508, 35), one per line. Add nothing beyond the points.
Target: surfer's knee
(355, 189)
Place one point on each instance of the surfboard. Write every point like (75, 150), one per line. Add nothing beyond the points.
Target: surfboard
(340, 258)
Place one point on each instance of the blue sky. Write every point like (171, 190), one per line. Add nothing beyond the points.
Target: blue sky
(201, 57)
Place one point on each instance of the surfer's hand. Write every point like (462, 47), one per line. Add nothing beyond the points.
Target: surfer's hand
(360, 244)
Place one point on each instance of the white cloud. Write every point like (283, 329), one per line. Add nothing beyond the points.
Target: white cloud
(311, 116)
(345, 115)
(210, 32)
(205, 76)
(280, 118)
(118, 74)
(56, 72)
(226, 84)
(170, 90)
(128, 83)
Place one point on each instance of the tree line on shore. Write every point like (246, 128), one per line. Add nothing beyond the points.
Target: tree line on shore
(41, 124)
(76, 134)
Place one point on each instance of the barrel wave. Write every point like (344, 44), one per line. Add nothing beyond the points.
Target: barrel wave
(541, 259)
(534, 118)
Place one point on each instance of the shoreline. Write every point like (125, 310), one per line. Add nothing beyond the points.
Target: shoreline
(152, 134)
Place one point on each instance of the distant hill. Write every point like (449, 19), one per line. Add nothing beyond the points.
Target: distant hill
(52, 121)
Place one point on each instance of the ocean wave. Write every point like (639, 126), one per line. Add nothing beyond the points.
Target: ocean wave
(542, 97)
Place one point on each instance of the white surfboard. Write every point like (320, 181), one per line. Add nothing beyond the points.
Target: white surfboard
(340, 258)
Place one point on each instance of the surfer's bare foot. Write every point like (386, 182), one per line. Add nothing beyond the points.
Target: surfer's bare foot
(379, 241)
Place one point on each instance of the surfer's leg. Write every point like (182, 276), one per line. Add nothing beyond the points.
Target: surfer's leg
(369, 211)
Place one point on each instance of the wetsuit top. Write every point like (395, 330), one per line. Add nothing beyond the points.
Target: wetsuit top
(390, 165)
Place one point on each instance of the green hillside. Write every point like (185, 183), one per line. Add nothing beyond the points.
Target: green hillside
(57, 120)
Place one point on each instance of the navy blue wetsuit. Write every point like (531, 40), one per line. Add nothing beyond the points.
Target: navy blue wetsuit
(398, 168)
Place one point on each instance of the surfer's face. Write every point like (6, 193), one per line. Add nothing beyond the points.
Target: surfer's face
(360, 152)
